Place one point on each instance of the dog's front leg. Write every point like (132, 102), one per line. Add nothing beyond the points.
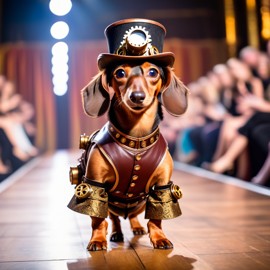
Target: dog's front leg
(157, 236)
(99, 232)
(161, 204)
(98, 168)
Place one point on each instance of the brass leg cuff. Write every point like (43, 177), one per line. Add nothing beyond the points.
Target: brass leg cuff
(90, 200)
(162, 204)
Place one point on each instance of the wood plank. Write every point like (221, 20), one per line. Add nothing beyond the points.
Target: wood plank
(223, 226)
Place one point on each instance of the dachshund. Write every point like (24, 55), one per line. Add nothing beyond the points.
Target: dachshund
(134, 94)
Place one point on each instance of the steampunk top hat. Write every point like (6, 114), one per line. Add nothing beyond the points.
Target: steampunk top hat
(134, 40)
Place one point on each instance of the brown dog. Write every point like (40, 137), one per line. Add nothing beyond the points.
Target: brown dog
(126, 166)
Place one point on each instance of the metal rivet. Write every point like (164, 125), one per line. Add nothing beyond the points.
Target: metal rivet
(137, 167)
(152, 139)
(123, 140)
(130, 195)
(135, 177)
(131, 143)
(117, 135)
(132, 184)
(143, 143)
(138, 157)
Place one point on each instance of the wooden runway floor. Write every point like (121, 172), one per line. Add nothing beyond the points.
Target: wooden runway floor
(223, 226)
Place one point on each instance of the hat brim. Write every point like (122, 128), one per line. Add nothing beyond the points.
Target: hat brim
(162, 59)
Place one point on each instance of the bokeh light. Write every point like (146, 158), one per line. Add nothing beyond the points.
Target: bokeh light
(60, 7)
(59, 30)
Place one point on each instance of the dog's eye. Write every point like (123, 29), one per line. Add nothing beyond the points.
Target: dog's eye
(153, 73)
(120, 73)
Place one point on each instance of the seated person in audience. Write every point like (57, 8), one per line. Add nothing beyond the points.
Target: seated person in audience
(263, 71)
(250, 56)
(241, 140)
(263, 176)
(203, 137)
(246, 84)
(15, 113)
(193, 117)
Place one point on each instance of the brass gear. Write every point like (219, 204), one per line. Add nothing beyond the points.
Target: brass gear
(176, 192)
(83, 191)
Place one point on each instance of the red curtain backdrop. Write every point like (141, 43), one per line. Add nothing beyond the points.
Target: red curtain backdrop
(29, 66)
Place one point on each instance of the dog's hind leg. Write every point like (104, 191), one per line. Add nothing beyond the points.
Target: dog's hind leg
(99, 232)
(116, 235)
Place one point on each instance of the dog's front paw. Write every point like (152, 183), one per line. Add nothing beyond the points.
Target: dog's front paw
(162, 244)
(96, 246)
(139, 231)
(117, 237)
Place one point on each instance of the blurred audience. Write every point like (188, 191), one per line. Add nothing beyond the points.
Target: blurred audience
(16, 129)
(233, 104)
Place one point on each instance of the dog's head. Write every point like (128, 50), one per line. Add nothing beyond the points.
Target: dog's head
(137, 86)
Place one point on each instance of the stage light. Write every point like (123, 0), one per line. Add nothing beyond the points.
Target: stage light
(59, 30)
(60, 48)
(60, 7)
(59, 66)
(60, 90)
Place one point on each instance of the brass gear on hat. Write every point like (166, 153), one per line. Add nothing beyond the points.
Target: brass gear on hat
(136, 41)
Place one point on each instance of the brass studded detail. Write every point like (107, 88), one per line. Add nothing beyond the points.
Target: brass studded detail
(123, 140)
(130, 195)
(132, 184)
(131, 144)
(137, 167)
(143, 144)
(135, 177)
(138, 157)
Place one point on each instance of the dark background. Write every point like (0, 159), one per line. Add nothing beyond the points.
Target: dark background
(29, 21)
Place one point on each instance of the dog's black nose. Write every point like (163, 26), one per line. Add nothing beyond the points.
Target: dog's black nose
(137, 97)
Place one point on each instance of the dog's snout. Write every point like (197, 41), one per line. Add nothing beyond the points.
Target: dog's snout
(137, 97)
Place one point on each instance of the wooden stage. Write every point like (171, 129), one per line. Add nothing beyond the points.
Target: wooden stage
(225, 225)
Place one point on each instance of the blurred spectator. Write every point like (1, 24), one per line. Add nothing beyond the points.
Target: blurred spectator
(250, 56)
(263, 176)
(15, 121)
(246, 84)
(194, 117)
(234, 132)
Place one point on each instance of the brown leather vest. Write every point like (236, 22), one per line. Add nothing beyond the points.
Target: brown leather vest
(134, 161)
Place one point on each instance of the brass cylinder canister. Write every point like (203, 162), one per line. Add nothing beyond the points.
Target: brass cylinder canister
(84, 141)
(75, 175)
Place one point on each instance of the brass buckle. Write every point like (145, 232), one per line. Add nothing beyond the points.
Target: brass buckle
(176, 192)
(83, 191)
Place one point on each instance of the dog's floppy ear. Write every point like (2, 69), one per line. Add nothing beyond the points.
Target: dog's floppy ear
(174, 94)
(95, 96)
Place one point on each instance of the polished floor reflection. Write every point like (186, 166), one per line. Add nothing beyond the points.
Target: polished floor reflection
(223, 226)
